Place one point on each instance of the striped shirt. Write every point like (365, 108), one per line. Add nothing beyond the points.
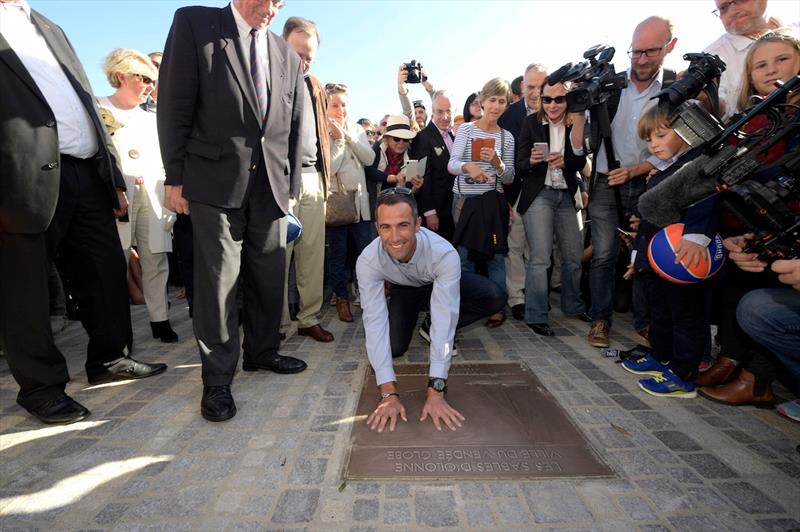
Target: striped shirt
(462, 154)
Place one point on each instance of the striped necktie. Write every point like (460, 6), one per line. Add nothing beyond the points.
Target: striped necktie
(258, 75)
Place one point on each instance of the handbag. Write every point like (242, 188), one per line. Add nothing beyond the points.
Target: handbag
(340, 206)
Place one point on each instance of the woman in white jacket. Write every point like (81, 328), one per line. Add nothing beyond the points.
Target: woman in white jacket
(133, 76)
(350, 153)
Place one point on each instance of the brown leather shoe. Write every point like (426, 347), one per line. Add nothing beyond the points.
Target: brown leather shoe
(343, 308)
(598, 334)
(745, 389)
(720, 373)
(316, 332)
(644, 333)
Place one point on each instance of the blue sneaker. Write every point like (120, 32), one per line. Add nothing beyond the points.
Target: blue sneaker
(668, 385)
(647, 365)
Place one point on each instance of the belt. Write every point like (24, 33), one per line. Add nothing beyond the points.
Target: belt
(306, 165)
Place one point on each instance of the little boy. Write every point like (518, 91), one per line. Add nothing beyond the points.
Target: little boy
(679, 326)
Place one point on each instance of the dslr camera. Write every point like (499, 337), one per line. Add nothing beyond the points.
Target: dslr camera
(703, 69)
(414, 70)
(595, 79)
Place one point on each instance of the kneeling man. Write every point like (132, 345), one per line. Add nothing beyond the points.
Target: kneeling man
(420, 266)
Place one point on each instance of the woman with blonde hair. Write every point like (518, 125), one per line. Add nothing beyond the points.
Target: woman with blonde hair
(775, 56)
(479, 171)
(133, 76)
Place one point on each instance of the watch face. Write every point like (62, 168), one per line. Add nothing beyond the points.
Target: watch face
(438, 385)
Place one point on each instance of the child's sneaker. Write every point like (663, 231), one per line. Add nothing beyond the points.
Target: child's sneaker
(646, 365)
(790, 409)
(668, 385)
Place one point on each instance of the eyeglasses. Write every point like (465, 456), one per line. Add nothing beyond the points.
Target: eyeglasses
(394, 190)
(554, 99)
(398, 139)
(383, 124)
(144, 79)
(277, 3)
(725, 6)
(650, 52)
(369, 132)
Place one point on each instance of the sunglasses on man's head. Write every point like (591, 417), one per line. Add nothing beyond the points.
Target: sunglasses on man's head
(395, 190)
(369, 132)
(554, 99)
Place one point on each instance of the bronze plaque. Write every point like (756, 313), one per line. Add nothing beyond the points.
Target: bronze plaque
(514, 430)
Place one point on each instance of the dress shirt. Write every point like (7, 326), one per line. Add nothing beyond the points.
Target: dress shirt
(436, 262)
(261, 42)
(628, 147)
(76, 134)
(732, 49)
(447, 138)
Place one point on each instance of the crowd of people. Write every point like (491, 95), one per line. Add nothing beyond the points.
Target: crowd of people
(206, 149)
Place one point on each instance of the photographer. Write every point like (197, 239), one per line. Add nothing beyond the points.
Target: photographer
(417, 112)
(652, 41)
(771, 317)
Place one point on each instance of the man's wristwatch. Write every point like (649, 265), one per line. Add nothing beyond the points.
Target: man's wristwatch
(438, 384)
(389, 394)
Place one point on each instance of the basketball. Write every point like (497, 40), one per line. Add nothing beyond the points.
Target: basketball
(661, 254)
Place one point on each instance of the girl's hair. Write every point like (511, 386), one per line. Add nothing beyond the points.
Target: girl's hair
(470, 99)
(335, 88)
(541, 116)
(746, 90)
(126, 61)
(652, 119)
(496, 87)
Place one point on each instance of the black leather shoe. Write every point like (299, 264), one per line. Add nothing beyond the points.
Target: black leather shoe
(125, 368)
(278, 364)
(63, 409)
(294, 308)
(163, 331)
(584, 317)
(518, 311)
(217, 403)
(542, 329)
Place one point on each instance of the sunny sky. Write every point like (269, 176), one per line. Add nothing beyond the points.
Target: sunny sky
(461, 43)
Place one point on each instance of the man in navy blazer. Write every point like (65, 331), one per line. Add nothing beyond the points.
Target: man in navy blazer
(229, 124)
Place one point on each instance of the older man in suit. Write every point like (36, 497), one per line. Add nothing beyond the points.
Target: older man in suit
(229, 123)
(61, 187)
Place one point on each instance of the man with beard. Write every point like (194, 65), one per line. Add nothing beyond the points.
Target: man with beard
(744, 21)
(619, 183)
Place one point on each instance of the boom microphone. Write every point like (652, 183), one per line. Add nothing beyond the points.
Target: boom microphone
(663, 204)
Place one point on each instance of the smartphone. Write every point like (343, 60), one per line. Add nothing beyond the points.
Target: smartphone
(542, 147)
(624, 233)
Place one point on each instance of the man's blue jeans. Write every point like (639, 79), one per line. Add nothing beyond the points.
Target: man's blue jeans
(552, 210)
(605, 249)
(771, 317)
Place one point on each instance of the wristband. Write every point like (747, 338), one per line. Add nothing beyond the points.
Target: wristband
(388, 395)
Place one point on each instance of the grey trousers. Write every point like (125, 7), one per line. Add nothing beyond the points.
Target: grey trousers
(233, 246)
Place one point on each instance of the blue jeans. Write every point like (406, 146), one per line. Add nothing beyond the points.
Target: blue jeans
(552, 210)
(771, 317)
(351, 237)
(605, 249)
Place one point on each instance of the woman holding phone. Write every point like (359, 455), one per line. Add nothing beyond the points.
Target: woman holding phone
(549, 171)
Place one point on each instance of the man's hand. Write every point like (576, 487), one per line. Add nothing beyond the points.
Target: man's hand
(746, 261)
(174, 199)
(789, 272)
(432, 221)
(619, 176)
(438, 409)
(388, 410)
(629, 272)
(402, 77)
(416, 183)
(122, 199)
(689, 253)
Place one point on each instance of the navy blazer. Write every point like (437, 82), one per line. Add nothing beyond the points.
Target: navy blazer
(511, 120)
(533, 176)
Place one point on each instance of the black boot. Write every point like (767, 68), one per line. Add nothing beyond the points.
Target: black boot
(163, 331)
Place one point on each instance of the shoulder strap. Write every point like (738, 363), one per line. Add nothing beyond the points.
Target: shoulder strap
(669, 78)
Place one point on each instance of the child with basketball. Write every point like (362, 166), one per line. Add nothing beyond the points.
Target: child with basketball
(679, 321)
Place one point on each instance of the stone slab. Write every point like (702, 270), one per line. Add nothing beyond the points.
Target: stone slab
(514, 430)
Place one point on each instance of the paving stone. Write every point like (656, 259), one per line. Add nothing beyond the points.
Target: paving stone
(637, 463)
(308, 471)
(503, 489)
(479, 515)
(654, 528)
(791, 469)
(365, 509)
(677, 441)
(472, 490)
(511, 513)
(71, 446)
(629, 402)
(296, 506)
(664, 494)
(368, 488)
(611, 387)
(435, 508)
(397, 491)
(559, 503)
(684, 475)
(111, 513)
(749, 499)
(396, 513)
(717, 422)
(779, 525)
(709, 466)
(637, 508)
(652, 420)
(740, 436)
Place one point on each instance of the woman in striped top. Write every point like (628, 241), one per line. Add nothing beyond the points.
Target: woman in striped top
(492, 168)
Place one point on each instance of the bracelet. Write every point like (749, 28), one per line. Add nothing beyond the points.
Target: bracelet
(388, 395)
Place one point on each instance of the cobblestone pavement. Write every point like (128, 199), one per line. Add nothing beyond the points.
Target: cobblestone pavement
(146, 460)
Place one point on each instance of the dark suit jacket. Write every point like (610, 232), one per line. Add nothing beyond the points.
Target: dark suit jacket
(532, 177)
(512, 120)
(437, 190)
(211, 137)
(29, 156)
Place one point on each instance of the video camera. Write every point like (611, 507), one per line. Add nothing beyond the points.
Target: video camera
(414, 70)
(595, 79)
(764, 197)
(703, 69)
